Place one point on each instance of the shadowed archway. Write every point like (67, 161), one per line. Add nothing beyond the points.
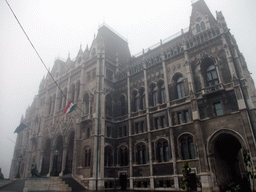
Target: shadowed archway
(69, 157)
(227, 160)
(46, 158)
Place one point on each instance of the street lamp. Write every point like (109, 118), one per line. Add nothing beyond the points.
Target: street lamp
(56, 153)
(19, 160)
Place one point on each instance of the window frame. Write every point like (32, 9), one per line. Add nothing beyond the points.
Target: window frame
(187, 147)
(211, 71)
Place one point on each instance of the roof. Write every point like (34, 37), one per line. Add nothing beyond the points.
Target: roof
(114, 44)
(201, 7)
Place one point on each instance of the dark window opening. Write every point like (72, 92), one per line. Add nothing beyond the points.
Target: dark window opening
(187, 147)
(211, 76)
(108, 131)
(141, 154)
(109, 74)
(162, 151)
(218, 109)
(108, 156)
(180, 88)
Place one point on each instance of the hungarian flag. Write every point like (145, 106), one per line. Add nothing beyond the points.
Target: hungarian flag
(69, 108)
(20, 128)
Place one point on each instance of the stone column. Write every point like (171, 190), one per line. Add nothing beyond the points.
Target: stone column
(173, 151)
(148, 127)
(201, 77)
(51, 162)
(229, 57)
(130, 130)
(188, 70)
(101, 183)
(99, 131)
(64, 159)
(205, 176)
(76, 152)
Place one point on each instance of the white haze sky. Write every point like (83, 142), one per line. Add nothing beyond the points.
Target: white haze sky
(57, 27)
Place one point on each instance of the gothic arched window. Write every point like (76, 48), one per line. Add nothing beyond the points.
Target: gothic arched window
(108, 105)
(53, 102)
(202, 26)
(198, 28)
(108, 156)
(72, 90)
(187, 147)
(142, 99)
(180, 88)
(135, 102)
(162, 95)
(162, 151)
(122, 105)
(86, 102)
(87, 157)
(61, 100)
(77, 90)
(211, 76)
(141, 154)
(64, 97)
(154, 95)
(123, 156)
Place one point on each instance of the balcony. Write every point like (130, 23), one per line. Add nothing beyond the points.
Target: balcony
(212, 89)
(178, 101)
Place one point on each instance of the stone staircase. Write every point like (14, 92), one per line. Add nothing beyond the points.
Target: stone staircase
(46, 184)
(75, 184)
(83, 182)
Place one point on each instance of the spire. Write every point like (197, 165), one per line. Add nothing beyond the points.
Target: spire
(201, 17)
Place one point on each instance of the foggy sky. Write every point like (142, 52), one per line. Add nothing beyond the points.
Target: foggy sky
(58, 27)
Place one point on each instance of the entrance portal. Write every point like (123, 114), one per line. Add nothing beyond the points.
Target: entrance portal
(46, 158)
(69, 157)
(229, 167)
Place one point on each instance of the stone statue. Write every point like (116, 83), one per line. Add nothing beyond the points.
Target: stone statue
(34, 171)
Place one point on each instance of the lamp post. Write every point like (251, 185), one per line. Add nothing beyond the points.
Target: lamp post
(56, 153)
(18, 173)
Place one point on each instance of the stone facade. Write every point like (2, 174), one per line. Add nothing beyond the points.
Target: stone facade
(191, 97)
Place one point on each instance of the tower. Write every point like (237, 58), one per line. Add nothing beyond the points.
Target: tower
(191, 98)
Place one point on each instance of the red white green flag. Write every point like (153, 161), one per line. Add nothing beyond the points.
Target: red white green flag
(69, 108)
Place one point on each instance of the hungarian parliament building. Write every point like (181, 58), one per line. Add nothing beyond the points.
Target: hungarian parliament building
(188, 98)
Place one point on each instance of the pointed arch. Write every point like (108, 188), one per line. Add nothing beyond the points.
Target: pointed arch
(142, 98)
(135, 100)
(179, 86)
(162, 92)
(209, 70)
(187, 147)
(123, 104)
(72, 92)
(70, 148)
(108, 105)
(77, 90)
(46, 157)
(108, 156)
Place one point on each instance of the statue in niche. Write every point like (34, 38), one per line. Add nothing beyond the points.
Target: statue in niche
(34, 171)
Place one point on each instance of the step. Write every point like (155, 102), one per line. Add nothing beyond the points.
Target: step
(46, 184)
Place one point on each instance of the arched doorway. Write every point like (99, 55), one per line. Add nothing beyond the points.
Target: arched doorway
(227, 160)
(57, 159)
(69, 157)
(46, 158)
